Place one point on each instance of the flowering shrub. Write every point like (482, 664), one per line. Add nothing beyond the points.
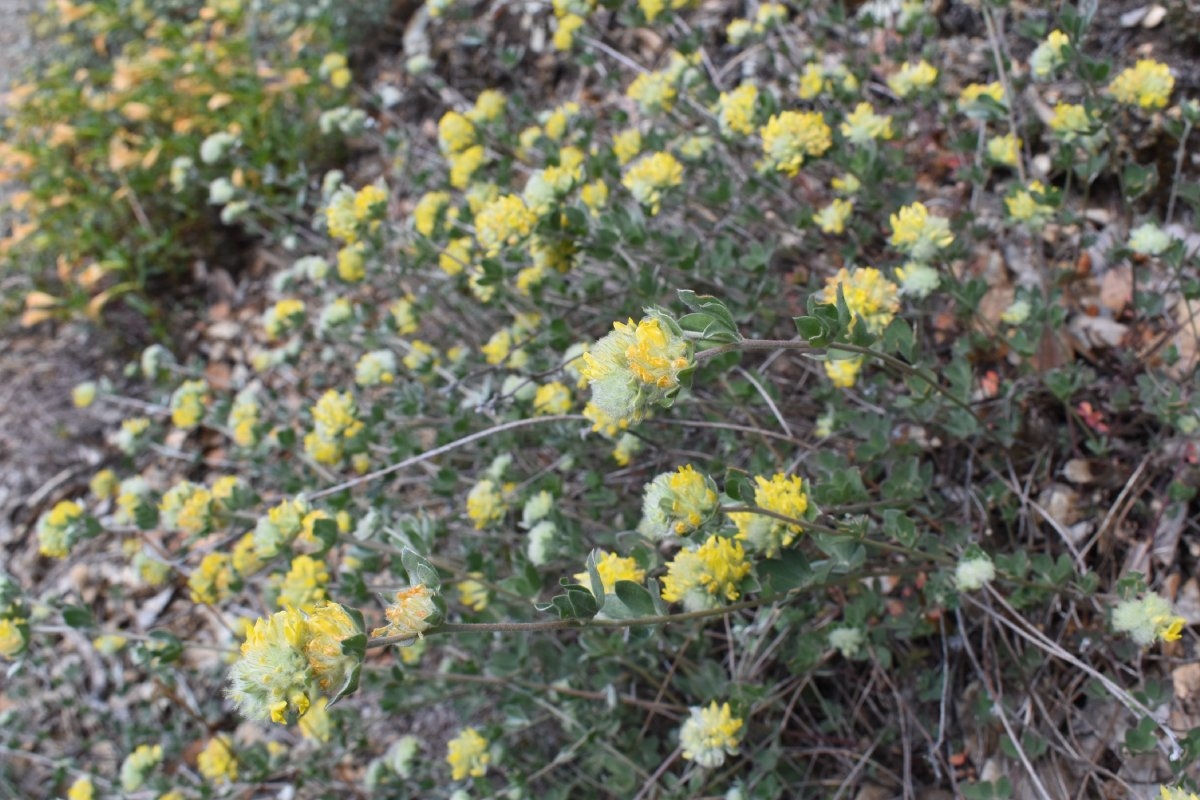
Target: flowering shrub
(160, 128)
(733, 427)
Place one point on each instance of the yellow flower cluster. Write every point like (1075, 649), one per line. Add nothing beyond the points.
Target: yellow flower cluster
(863, 125)
(503, 222)
(919, 234)
(186, 507)
(971, 100)
(188, 402)
(1025, 205)
(283, 317)
(13, 635)
(1147, 85)
(678, 502)
(467, 754)
(411, 614)
(647, 177)
(792, 136)
(59, 529)
(634, 368)
(217, 762)
(552, 398)
(736, 110)
(1004, 150)
(613, 568)
(706, 576)
(428, 211)
(486, 503)
(1147, 619)
(137, 766)
(335, 421)
(288, 659)
(280, 527)
(1049, 55)
(817, 79)
(709, 734)
(1074, 123)
(832, 217)
(870, 296)
(782, 494)
(912, 78)
(654, 92)
(212, 581)
(626, 145)
(455, 133)
(243, 419)
(303, 587)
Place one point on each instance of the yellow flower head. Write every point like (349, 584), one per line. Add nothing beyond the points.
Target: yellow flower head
(428, 211)
(654, 92)
(919, 234)
(504, 221)
(1147, 619)
(647, 177)
(464, 165)
(1049, 55)
(486, 503)
(217, 762)
(792, 136)
(971, 100)
(564, 33)
(409, 616)
(303, 586)
(137, 766)
(467, 754)
(1004, 150)
(843, 372)
(783, 494)
(678, 502)
(280, 527)
(626, 145)
(552, 398)
(635, 367)
(12, 638)
(82, 789)
(59, 528)
(83, 394)
(613, 568)
(863, 125)
(335, 421)
(1073, 123)
(912, 78)
(283, 317)
(832, 218)
(455, 133)
(1147, 84)
(707, 576)
(817, 79)
(869, 296)
(710, 733)
(489, 106)
(211, 582)
(736, 110)
(1025, 204)
(472, 593)
(188, 402)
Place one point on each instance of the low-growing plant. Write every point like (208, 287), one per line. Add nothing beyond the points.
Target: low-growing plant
(161, 132)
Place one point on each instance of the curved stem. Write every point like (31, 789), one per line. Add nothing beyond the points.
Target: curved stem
(579, 624)
(800, 344)
(446, 448)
